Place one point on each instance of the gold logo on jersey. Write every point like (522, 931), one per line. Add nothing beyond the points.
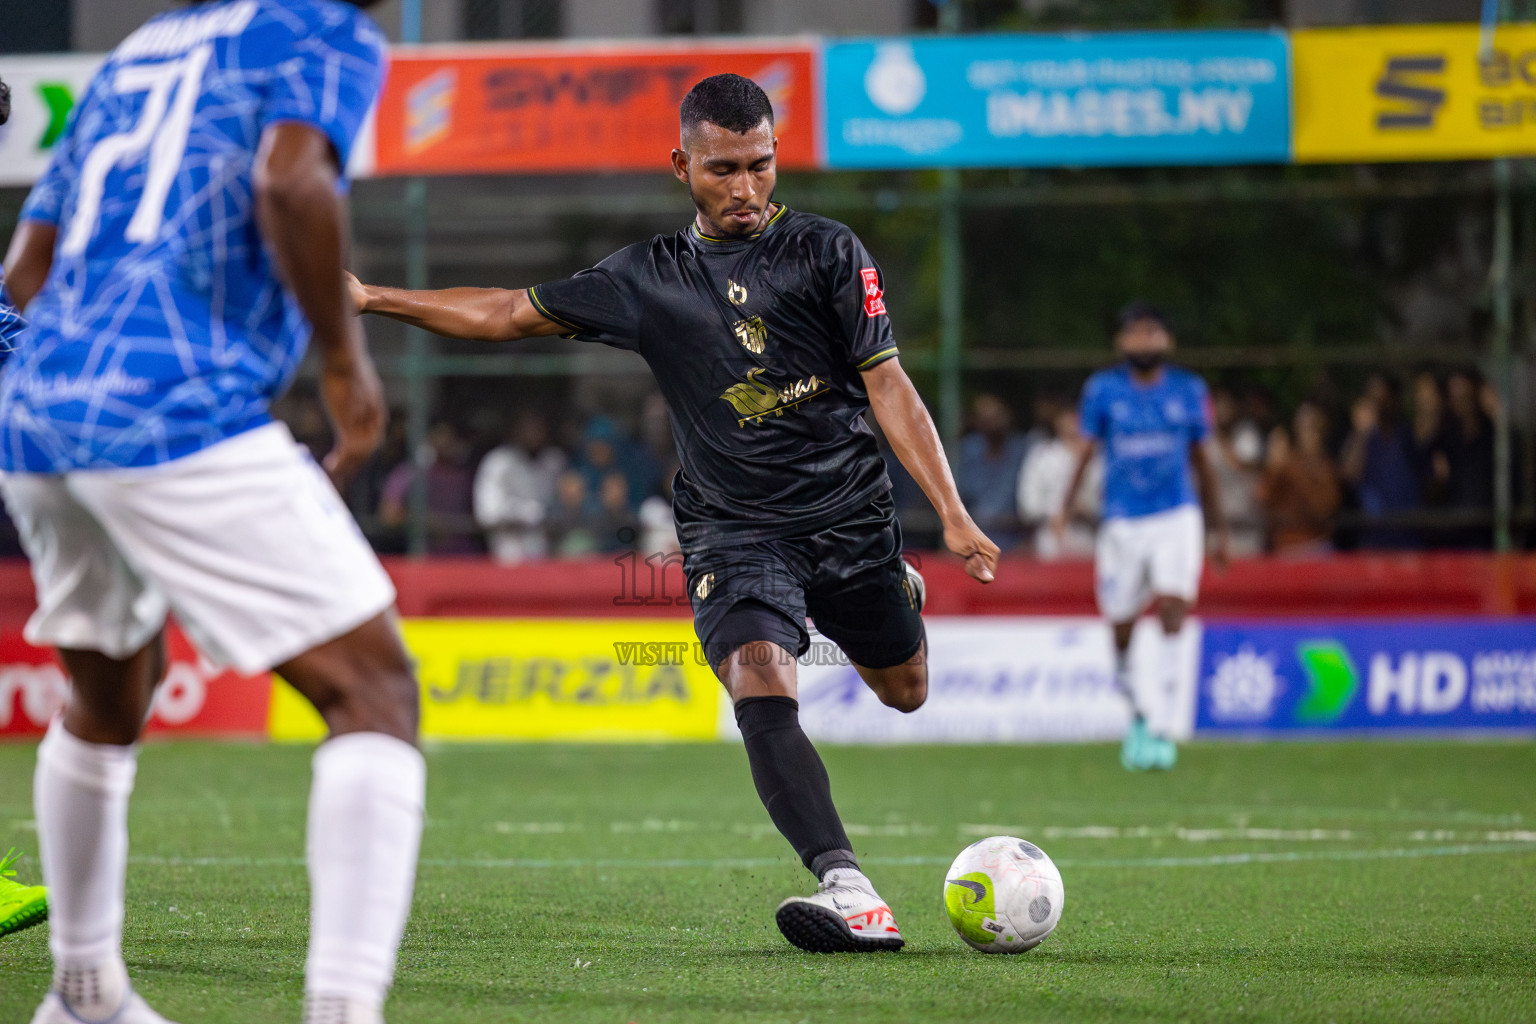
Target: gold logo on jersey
(752, 333)
(737, 293)
(706, 584)
(754, 398)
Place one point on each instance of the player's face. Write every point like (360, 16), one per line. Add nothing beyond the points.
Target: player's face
(730, 176)
(1144, 344)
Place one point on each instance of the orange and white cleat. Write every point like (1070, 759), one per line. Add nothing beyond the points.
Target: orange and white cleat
(845, 916)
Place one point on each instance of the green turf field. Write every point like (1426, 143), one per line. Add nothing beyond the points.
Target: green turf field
(1287, 882)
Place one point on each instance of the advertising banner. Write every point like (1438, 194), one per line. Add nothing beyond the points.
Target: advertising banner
(196, 698)
(1417, 92)
(1002, 680)
(1017, 100)
(1438, 675)
(43, 92)
(546, 679)
(542, 109)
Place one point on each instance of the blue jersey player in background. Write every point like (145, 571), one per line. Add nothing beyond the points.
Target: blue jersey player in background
(183, 249)
(11, 322)
(1151, 421)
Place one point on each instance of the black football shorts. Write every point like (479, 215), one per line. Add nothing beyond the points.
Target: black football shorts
(847, 578)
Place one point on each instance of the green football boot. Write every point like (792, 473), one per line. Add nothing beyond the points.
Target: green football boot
(1136, 750)
(21, 906)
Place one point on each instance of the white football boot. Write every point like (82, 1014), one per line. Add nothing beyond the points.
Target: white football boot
(845, 916)
(134, 1010)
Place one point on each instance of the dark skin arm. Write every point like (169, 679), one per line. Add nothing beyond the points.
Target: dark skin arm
(474, 314)
(1210, 497)
(902, 416)
(303, 221)
(1059, 520)
(29, 260)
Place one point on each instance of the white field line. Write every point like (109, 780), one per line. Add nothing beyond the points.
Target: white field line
(1217, 860)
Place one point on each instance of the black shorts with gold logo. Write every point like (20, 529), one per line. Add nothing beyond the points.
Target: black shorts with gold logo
(847, 578)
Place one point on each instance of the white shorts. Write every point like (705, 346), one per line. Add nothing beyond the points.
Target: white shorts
(246, 541)
(1136, 559)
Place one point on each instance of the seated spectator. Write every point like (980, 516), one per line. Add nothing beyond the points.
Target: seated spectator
(1470, 458)
(1043, 483)
(450, 486)
(658, 528)
(988, 470)
(1234, 450)
(572, 521)
(1376, 461)
(616, 527)
(1300, 491)
(1427, 445)
(514, 487)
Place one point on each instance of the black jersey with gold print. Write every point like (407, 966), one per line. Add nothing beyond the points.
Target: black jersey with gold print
(757, 344)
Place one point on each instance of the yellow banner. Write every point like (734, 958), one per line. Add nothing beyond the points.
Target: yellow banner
(546, 679)
(1419, 92)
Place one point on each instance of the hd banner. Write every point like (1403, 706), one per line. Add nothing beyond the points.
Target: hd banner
(1059, 100)
(521, 109)
(1415, 92)
(1440, 675)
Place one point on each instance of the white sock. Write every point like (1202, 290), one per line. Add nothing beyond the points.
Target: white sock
(365, 811)
(1169, 683)
(849, 878)
(80, 796)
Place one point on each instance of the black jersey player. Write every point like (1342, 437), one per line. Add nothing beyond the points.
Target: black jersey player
(767, 332)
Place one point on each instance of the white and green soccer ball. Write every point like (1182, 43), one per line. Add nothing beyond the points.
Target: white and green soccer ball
(1003, 895)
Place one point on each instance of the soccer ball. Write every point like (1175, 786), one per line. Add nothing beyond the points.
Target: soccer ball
(1003, 895)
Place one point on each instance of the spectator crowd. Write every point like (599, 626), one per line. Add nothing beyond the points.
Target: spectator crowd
(1383, 478)
(1384, 471)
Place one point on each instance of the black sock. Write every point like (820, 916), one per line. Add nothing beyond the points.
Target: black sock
(792, 782)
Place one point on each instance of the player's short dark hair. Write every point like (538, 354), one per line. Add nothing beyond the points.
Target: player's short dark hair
(1140, 309)
(734, 103)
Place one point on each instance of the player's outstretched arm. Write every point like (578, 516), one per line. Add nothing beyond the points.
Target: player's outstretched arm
(901, 414)
(474, 314)
(303, 221)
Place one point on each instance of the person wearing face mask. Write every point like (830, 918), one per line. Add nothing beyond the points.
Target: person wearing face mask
(1150, 420)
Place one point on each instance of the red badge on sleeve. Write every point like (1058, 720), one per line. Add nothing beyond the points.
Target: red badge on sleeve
(874, 303)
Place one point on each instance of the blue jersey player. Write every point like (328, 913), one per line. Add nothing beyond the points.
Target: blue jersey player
(11, 322)
(183, 248)
(1150, 420)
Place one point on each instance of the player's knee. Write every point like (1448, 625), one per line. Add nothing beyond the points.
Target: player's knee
(907, 691)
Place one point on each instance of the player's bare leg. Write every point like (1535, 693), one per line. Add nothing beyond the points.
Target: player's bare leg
(903, 687)
(85, 772)
(365, 814)
(846, 914)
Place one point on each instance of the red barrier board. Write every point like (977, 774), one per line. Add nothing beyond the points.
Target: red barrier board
(509, 108)
(196, 699)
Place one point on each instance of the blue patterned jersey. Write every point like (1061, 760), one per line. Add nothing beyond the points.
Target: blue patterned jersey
(161, 328)
(1146, 431)
(11, 324)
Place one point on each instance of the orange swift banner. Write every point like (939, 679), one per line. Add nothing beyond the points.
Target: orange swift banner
(473, 110)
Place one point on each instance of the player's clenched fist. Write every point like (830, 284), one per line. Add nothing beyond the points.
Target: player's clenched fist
(980, 554)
